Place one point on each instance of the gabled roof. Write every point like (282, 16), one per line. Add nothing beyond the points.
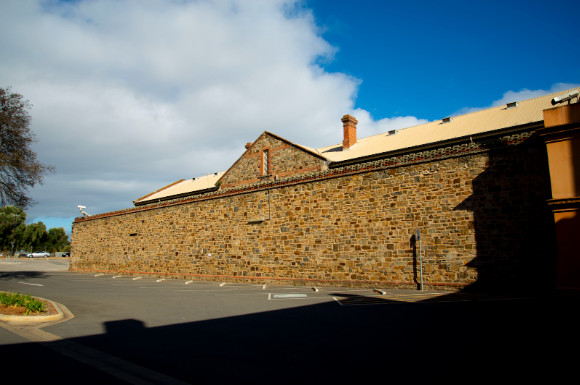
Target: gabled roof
(181, 188)
(226, 181)
(479, 123)
(474, 124)
(311, 151)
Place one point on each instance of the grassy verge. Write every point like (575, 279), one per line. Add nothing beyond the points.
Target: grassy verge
(31, 304)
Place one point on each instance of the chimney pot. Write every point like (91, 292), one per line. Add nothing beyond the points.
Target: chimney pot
(349, 128)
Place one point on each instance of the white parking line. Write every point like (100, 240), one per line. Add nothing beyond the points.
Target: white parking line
(31, 284)
(285, 296)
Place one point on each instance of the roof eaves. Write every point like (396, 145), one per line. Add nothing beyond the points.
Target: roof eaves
(175, 196)
(299, 146)
(157, 191)
(447, 142)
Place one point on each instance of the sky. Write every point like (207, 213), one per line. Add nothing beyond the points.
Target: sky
(130, 96)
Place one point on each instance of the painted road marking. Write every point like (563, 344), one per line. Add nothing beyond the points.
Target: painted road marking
(285, 296)
(31, 284)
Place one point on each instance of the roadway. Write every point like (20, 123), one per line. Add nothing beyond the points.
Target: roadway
(141, 330)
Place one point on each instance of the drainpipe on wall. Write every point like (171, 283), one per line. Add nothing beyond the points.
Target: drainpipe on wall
(420, 258)
(268, 204)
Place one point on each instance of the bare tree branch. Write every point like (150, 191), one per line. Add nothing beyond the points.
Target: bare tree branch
(19, 168)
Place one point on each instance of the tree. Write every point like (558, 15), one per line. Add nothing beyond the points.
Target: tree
(57, 240)
(18, 236)
(31, 237)
(35, 236)
(19, 168)
(10, 218)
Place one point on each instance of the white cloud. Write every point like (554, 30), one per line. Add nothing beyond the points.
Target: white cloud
(367, 126)
(129, 96)
(514, 96)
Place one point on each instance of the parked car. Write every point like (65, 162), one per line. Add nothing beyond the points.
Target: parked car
(65, 254)
(39, 254)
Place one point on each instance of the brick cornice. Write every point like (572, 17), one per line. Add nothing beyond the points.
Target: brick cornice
(430, 155)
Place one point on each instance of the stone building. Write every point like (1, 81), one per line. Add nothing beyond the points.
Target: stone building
(457, 203)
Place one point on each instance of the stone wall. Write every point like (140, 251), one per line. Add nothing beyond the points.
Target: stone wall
(481, 212)
(284, 159)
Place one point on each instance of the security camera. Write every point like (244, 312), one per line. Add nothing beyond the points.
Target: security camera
(565, 98)
(83, 213)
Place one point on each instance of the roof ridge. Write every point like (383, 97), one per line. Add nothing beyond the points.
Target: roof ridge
(473, 112)
(516, 100)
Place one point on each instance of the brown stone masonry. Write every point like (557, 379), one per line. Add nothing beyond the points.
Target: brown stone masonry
(283, 160)
(481, 211)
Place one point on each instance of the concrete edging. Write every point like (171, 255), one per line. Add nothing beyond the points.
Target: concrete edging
(34, 319)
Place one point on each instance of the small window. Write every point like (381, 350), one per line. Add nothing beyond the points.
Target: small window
(266, 162)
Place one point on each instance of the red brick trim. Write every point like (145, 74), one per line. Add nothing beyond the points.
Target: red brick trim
(266, 151)
(358, 168)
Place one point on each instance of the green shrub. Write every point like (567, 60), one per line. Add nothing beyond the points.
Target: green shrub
(31, 304)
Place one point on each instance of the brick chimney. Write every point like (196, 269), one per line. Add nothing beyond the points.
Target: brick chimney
(349, 128)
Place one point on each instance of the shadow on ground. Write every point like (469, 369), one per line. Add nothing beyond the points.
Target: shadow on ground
(461, 340)
(13, 275)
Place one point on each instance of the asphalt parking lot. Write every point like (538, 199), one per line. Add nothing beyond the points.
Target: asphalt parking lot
(145, 330)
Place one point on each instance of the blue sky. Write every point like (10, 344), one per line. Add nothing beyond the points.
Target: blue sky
(130, 96)
(432, 58)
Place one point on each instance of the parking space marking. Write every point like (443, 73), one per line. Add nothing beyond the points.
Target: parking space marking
(343, 296)
(286, 296)
(212, 290)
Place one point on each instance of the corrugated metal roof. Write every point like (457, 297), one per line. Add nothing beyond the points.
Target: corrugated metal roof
(471, 124)
(522, 113)
(183, 186)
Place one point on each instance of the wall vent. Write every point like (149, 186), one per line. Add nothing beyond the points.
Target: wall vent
(511, 105)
